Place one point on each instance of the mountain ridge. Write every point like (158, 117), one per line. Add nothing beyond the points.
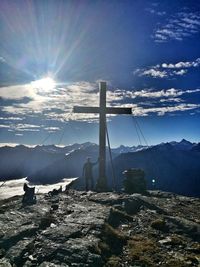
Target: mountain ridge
(174, 165)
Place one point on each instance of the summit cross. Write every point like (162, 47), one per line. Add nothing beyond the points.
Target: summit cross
(102, 110)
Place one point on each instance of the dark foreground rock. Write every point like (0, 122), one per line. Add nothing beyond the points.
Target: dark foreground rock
(101, 229)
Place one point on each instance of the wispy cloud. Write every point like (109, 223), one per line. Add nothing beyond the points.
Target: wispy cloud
(182, 64)
(4, 126)
(17, 92)
(149, 93)
(166, 70)
(160, 111)
(180, 72)
(158, 102)
(154, 73)
(11, 118)
(178, 27)
(22, 127)
(56, 105)
(52, 129)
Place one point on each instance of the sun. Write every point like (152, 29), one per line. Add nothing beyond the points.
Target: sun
(45, 84)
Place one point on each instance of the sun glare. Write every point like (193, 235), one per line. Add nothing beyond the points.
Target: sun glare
(46, 84)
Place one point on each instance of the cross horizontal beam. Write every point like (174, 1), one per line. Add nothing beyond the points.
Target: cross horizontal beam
(102, 110)
(78, 109)
(109, 110)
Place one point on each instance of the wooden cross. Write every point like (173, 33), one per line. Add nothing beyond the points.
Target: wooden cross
(102, 110)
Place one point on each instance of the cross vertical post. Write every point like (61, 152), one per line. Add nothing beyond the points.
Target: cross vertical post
(101, 183)
(102, 110)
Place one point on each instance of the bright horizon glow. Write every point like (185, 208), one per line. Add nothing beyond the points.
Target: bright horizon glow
(46, 84)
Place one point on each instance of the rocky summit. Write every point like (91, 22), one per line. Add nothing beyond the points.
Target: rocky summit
(100, 229)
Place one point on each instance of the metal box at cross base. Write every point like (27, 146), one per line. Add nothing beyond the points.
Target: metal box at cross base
(134, 181)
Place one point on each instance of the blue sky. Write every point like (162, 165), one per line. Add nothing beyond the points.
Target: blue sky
(147, 51)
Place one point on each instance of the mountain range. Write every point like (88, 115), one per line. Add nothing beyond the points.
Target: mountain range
(174, 166)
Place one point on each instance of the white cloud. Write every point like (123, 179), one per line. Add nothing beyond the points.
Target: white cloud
(52, 129)
(114, 97)
(165, 70)
(58, 103)
(182, 64)
(180, 72)
(154, 73)
(4, 126)
(63, 98)
(26, 125)
(178, 27)
(160, 111)
(175, 99)
(160, 37)
(157, 94)
(12, 118)
(172, 92)
(20, 127)
(17, 92)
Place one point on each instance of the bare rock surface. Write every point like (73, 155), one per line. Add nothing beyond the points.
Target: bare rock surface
(101, 229)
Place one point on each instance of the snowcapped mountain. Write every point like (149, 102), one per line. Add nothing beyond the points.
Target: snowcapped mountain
(127, 149)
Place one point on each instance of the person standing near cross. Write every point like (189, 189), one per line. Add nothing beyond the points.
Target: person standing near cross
(102, 110)
(88, 174)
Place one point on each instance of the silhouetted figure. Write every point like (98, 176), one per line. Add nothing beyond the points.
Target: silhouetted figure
(88, 175)
(29, 195)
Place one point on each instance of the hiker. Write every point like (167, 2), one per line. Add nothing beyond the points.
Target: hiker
(87, 174)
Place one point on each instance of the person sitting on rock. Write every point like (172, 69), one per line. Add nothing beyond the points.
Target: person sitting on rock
(88, 175)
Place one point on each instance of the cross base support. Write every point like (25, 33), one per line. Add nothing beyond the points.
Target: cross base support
(101, 185)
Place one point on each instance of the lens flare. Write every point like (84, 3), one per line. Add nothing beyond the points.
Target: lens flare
(45, 84)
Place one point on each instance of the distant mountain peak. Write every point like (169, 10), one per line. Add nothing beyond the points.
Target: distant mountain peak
(185, 141)
(182, 145)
